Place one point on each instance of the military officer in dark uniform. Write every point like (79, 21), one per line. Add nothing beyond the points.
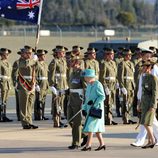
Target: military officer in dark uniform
(26, 87)
(76, 85)
(41, 86)
(5, 83)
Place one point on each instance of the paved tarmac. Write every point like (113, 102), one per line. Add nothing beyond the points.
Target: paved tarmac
(49, 142)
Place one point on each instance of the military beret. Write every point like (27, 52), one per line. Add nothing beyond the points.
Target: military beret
(5, 51)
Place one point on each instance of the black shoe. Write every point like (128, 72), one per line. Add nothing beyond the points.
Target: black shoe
(131, 122)
(84, 141)
(6, 119)
(27, 127)
(86, 148)
(72, 147)
(100, 148)
(33, 126)
(62, 125)
(148, 146)
(37, 119)
(114, 123)
(45, 118)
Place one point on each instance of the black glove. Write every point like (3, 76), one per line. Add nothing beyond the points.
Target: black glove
(84, 113)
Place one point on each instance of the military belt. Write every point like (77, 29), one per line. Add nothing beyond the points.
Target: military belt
(4, 77)
(60, 75)
(79, 91)
(27, 77)
(128, 78)
(42, 78)
(110, 78)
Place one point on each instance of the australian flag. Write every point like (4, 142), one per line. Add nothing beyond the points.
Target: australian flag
(25, 10)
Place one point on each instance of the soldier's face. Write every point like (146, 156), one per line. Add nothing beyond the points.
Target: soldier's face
(146, 56)
(92, 56)
(128, 57)
(4, 56)
(27, 55)
(61, 54)
(110, 56)
(42, 57)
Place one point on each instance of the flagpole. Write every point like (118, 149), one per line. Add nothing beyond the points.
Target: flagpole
(38, 25)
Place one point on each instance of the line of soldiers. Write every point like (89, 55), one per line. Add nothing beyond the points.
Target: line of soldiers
(32, 79)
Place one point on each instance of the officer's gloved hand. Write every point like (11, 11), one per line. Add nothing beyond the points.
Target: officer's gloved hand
(124, 91)
(37, 88)
(107, 91)
(84, 113)
(54, 90)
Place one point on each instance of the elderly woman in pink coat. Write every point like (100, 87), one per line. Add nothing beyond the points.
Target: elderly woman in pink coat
(94, 97)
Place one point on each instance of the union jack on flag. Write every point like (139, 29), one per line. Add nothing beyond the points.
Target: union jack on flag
(25, 10)
(23, 4)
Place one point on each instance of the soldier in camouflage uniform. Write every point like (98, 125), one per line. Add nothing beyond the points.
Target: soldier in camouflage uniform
(76, 85)
(91, 62)
(26, 87)
(127, 85)
(42, 85)
(108, 74)
(5, 83)
(58, 83)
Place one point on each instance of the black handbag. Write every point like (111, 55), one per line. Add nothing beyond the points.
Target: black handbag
(94, 112)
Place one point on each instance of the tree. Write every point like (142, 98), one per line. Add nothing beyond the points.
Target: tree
(126, 18)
